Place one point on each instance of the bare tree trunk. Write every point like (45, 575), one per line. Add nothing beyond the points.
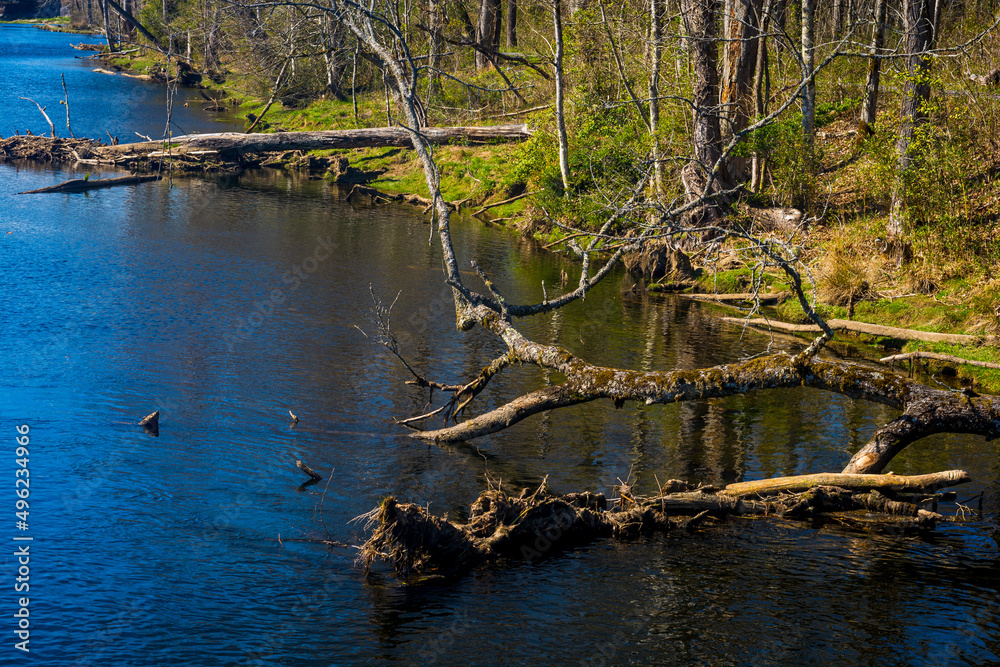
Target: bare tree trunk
(699, 20)
(655, 37)
(511, 23)
(740, 57)
(700, 15)
(434, 75)
(486, 31)
(354, 83)
(809, 90)
(868, 108)
(919, 16)
(780, 14)
(838, 18)
(560, 94)
(762, 94)
(112, 44)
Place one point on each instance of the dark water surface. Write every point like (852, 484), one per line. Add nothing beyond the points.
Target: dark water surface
(164, 550)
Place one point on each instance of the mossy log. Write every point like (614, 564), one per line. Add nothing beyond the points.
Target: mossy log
(533, 525)
(925, 410)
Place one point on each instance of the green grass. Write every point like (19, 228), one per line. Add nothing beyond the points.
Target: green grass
(735, 281)
(59, 20)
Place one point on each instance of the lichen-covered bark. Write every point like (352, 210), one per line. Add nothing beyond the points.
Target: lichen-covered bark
(925, 410)
(928, 411)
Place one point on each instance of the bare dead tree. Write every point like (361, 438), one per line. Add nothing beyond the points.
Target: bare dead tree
(919, 17)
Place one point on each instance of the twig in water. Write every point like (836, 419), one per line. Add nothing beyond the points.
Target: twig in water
(309, 471)
(322, 500)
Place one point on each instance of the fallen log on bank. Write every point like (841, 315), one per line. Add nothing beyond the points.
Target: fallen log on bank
(949, 358)
(865, 328)
(234, 144)
(84, 184)
(763, 297)
(531, 525)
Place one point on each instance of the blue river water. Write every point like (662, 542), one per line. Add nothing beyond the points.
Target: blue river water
(224, 302)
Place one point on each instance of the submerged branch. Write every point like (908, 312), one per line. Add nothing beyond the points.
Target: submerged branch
(534, 524)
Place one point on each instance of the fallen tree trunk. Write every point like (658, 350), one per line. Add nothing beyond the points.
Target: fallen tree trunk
(865, 328)
(532, 525)
(83, 184)
(921, 483)
(407, 198)
(236, 144)
(925, 411)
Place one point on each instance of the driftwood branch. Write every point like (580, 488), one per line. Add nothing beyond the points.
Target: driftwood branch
(309, 471)
(506, 201)
(773, 297)
(274, 95)
(921, 483)
(925, 410)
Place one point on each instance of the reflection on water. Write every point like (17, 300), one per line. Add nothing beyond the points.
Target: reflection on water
(224, 303)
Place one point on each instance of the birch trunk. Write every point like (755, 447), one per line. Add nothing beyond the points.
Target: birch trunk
(870, 104)
(560, 94)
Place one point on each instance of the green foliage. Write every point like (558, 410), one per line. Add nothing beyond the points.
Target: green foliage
(735, 281)
(782, 144)
(532, 162)
(827, 112)
(151, 17)
(879, 163)
(935, 185)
